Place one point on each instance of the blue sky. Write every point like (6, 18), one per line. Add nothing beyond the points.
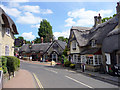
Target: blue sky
(61, 15)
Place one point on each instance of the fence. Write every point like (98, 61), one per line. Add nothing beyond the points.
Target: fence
(1, 79)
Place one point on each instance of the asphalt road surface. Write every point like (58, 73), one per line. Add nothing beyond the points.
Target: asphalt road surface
(50, 77)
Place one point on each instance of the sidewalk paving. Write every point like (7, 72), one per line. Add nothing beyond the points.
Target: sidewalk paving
(23, 79)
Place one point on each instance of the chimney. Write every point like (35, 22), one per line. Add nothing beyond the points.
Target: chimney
(32, 42)
(23, 42)
(118, 7)
(95, 21)
(99, 21)
(41, 39)
(50, 40)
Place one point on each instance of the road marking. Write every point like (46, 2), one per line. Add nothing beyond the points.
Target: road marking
(51, 70)
(38, 82)
(79, 82)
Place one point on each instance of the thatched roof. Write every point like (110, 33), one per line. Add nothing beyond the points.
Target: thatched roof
(34, 48)
(42, 47)
(101, 31)
(6, 21)
(80, 34)
(112, 41)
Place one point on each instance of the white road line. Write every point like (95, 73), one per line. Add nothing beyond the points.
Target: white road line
(79, 82)
(51, 70)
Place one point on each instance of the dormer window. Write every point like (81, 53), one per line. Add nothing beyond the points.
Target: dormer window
(93, 43)
(74, 45)
(7, 31)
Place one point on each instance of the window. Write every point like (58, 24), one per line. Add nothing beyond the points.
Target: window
(93, 43)
(74, 45)
(79, 59)
(6, 50)
(7, 31)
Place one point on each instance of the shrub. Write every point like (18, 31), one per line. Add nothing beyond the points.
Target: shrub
(13, 63)
(67, 63)
(72, 66)
(4, 64)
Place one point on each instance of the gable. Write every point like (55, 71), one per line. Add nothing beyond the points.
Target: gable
(55, 46)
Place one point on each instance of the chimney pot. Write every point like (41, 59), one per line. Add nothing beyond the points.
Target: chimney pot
(41, 39)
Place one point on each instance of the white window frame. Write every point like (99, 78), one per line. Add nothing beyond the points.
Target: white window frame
(7, 31)
(7, 50)
(98, 59)
(93, 43)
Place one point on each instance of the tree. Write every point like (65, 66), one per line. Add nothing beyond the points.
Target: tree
(45, 31)
(65, 51)
(107, 18)
(37, 40)
(61, 38)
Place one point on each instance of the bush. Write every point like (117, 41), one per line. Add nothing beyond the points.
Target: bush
(4, 64)
(67, 63)
(72, 66)
(13, 63)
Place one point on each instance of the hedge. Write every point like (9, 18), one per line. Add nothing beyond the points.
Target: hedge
(13, 63)
(3, 64)
(72, 66)
(67, 63)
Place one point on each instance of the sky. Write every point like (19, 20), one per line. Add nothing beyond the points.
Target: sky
(27, 15)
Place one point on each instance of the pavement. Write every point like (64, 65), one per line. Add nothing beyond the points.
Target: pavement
(23, 79)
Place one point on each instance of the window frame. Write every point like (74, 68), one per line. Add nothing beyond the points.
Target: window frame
(7, 50)
(7, 31)
(93, 43)
(74, 45)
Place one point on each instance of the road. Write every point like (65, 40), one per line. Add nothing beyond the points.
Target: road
(49, 77)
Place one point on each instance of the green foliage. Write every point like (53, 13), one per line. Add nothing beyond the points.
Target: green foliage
(67, 63)
(45, 31)
(61, 38)
(4, 64)
(65, 51)
(0, 64)
(72, 66)
(64, 58)
(107, 18)
(13, 63)
(37, 40)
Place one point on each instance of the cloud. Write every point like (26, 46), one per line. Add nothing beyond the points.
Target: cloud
(11, 11)
(82, 17)
(28, 18)
(28, 36)
(35, 26)
(69, 22)
(28, 8)
(63, 33)
(46, 11)
(36, 9)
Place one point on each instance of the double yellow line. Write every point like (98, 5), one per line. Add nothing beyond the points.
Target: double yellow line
(38, 82)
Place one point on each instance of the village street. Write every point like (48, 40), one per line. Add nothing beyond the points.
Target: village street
(50, 77)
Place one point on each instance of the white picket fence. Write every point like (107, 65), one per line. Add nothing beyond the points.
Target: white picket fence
(1, 79)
